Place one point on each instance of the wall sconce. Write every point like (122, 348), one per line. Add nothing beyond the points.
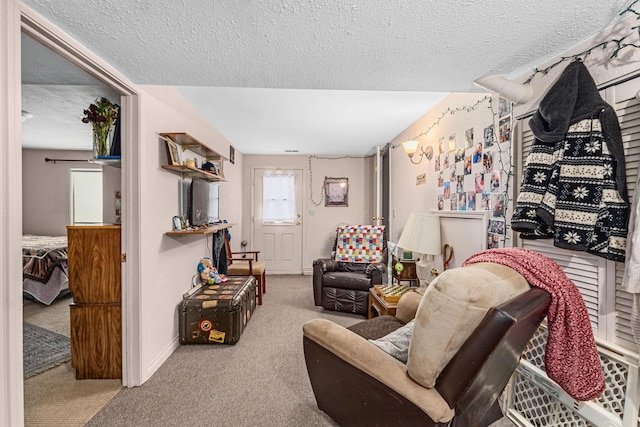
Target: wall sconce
(517, 93)
(410, 147)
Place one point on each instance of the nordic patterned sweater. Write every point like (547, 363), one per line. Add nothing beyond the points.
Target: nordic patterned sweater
(573, 187)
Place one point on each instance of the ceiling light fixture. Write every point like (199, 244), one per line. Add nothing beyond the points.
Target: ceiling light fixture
(26, 115)
(517, 93)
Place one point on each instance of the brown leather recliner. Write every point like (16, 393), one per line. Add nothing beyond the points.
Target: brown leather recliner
(357, 383)
(344, 285)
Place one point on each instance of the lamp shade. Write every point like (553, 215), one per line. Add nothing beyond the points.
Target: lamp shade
(410, 147)
(421, 234)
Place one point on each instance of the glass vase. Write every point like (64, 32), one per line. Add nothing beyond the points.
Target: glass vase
(102, 142)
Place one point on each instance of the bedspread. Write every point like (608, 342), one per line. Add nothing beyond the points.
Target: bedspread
(41, 255)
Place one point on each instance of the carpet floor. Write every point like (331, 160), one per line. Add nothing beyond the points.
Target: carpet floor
(43, 349)
(260, 381)
(55, 397)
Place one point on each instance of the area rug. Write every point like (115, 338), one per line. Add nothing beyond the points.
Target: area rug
(43, 349)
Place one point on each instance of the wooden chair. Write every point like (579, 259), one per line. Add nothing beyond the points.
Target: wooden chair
(246, 263)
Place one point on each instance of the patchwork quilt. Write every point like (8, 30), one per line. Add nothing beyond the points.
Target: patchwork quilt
(360, 243)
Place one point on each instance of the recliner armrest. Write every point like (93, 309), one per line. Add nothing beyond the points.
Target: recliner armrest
(326, 264)
(376, 267)
(360, 353)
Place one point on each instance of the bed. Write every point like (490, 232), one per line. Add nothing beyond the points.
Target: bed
(44, 267)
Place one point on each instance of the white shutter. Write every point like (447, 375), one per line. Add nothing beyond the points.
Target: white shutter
(623, 99)
(587, 271)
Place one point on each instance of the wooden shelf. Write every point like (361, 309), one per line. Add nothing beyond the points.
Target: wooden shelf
(208, 230)
(187, 142)
(190, 172)
(107, 161)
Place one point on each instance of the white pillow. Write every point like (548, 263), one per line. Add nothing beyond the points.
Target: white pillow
(396, 343)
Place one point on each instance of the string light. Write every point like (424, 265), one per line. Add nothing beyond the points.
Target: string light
(450, 111)
(507, 170)
(630, 9)
(505, 162)
(311, 174)
(620, 44)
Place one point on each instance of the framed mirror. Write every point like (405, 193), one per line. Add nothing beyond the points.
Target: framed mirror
(336, 191)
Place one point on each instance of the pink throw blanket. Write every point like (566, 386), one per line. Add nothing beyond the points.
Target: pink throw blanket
(571, 357)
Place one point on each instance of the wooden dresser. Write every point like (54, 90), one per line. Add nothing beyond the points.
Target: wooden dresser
(96, 313)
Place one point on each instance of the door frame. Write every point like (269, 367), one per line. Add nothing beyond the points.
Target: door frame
(16, 18)
(254, 212)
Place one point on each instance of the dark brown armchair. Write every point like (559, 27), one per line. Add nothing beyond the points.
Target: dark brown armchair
(342, 283)
(357, 383)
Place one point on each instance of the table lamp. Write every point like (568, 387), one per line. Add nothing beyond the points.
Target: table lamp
(421, 235)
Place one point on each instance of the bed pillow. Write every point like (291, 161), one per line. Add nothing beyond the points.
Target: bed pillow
(453, 305)
(396, 343)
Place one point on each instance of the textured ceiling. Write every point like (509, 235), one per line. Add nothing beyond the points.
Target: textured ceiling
(385, 55)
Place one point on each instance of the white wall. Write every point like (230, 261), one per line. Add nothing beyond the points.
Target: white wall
(169, 262)
(319, 222)
(406, 196)
(111, 182)
(45, 199)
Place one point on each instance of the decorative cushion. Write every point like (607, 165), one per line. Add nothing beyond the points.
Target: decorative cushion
(453, 305)
(360, 243)
(241, 268)
(396, 343)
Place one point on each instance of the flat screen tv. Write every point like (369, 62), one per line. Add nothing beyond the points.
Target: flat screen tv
(199, 202)
(203, 202)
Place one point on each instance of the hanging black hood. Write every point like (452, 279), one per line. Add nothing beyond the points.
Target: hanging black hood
(574, 97)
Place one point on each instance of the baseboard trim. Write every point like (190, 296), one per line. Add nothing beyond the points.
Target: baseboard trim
(160, 359)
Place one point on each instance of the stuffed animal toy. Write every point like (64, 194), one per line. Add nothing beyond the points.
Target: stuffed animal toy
(208, 273)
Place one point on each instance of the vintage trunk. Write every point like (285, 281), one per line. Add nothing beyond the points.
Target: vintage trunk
(217, 314)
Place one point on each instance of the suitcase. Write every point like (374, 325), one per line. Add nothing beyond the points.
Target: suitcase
(217, 314)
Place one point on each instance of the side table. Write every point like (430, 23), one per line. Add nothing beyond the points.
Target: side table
(408, 273)
(379, 307)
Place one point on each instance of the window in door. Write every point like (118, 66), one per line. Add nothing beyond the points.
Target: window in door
(278, 199)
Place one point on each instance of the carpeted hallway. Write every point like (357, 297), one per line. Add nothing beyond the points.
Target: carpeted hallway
(262, 380)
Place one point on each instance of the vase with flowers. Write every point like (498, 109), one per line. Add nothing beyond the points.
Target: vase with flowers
(102, 115)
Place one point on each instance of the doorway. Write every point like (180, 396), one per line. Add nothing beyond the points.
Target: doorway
(55, 92)
(277, 221)
(16, 18)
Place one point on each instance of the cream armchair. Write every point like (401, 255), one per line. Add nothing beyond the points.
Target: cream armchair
(469, 331)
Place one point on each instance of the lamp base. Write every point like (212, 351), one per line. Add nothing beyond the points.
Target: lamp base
(425, 271)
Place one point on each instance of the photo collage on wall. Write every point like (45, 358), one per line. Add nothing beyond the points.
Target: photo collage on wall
(467, 174)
